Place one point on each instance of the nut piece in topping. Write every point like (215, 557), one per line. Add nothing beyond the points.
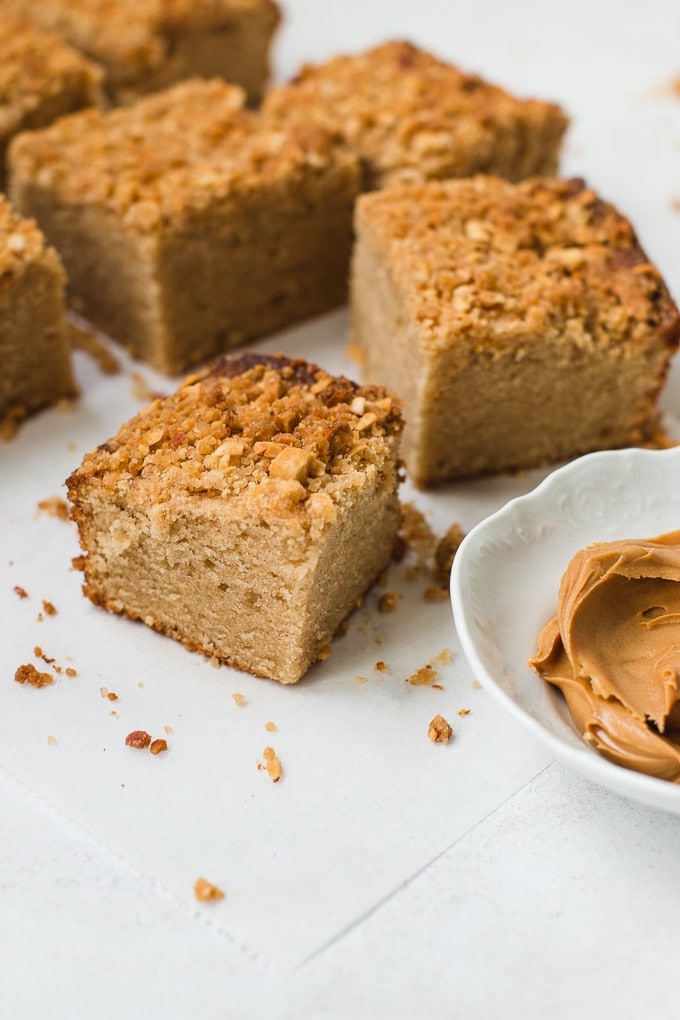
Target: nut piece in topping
(439, 731)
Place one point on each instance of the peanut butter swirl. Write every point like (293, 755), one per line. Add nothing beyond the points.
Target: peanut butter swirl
(614, 651)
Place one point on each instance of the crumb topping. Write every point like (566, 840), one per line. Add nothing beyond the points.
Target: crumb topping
(21, 245)
(411, 115)
(28, 674)
(36, 66)
(138, 31)
(204, 890)
(279, 431)
(495, 263)
(179, 150)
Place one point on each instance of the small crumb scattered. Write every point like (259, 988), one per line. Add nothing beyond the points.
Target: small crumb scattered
(169, 730)
(443, 658)
(476, 685)
(28, 674)
(360, 679)
(271, 764)
(433, 594)
(204, 891)
(270, 726)
(49, 608)
(51, 740)
(381, 667)
(215, 662)
(138, 738)
(55, 506)
(70, 671)
(140, 683)
(379, 639)
(388, 602)
(445, 552)
(21, 592)
(113, 713)
(239, 699)
(440, 732)
(423, 677)
(463, 711)
(158, 745)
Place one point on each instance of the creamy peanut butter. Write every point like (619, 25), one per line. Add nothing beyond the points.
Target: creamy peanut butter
(614, 651)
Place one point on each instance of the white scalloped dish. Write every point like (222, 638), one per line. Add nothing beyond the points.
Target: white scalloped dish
(507, 572)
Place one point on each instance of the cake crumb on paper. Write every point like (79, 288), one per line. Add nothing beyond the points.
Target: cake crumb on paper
(158, 745)
(138, 738)
(55, 506)
(270, 726)
(381, 667)
(238, 699)
(440, 732)
(423, 677)
(51, 740)
(272, 764)
(388, 602)
(464, 711)
(28, 674)
(21, 592)
(49, 608)
(205, 890)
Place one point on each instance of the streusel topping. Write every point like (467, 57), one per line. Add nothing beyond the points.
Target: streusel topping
(182, 148)
(280, 431)
(21, 243)
(493, 261)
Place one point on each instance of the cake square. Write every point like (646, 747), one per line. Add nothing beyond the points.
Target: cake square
(187, 224)
(34, 348)
(521, 324)
(145, 45)
(412, 117)
(247, 513)
(41, 78)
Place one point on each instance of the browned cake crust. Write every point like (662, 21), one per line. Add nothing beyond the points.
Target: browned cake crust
(34, 350)
(149, 44)
(412, 117)
(188, 224)
(521, 324)
(245, 514)
(41, 78)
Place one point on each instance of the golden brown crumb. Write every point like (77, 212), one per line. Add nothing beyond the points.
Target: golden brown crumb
(423, 677)
(272, 764)
(51, 740)
(443, 658)
(270, 726)
(436, 594)
(204, 890)
(381, 667)
(476, 684)
(215, 662)
(70, 671)
(138, 738)
(112, 696)
(388, 602)
(463, 711)
(239, 699)
(445, 551)
(21, 592)
(54, 507)
(440, 732)
(360, 679)
(49, 608)
(169, 730)
(158, 745)
(28, 674)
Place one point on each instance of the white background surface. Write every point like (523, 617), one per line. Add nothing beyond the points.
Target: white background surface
(384, 876)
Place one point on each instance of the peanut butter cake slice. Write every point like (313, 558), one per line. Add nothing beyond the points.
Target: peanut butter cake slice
(187, 224)
(146, 45)
(41, 78)
(412, 117)
(34, 350)
(245, 514)
(520, 323)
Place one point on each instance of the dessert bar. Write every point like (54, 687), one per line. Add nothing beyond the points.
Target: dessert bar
(520, 323)
(247, 513)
